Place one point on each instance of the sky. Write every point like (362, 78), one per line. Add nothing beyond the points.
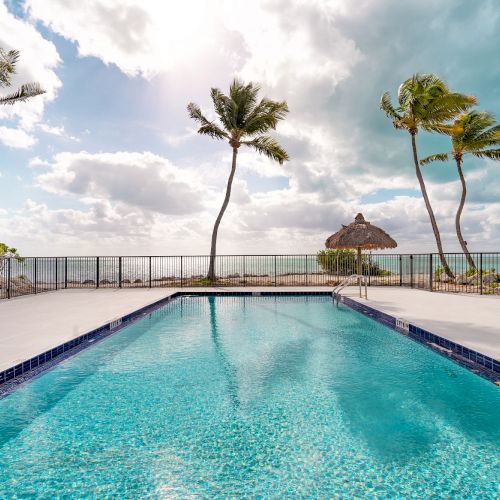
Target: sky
(108, 161)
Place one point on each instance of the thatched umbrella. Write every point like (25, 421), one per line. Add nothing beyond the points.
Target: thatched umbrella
(360, 234)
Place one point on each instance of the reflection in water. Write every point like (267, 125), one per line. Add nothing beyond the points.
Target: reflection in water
(228, 369)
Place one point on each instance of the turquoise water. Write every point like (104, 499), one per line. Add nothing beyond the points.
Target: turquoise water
(254, 396)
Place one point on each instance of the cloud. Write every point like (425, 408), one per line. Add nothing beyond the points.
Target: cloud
(176, 140)
(330, 62)
(37, 63)
(16, 138)
(141, 37)
(142, 180)
(57, 131)
(36, 161)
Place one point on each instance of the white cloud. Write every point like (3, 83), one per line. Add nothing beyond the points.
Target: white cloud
(16, 138)
(57, 131)
(144, 37)
(305, 43)
(36, 161)
(143, 180)
(175, 140)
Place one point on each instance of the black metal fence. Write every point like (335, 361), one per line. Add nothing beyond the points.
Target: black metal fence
(32, 275)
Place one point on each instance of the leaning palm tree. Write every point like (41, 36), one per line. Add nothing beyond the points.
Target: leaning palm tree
(243, 120)
(472, 133)
(425, 102)
(8, 61)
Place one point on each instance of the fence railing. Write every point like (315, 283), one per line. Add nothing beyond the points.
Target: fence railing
(32, 275)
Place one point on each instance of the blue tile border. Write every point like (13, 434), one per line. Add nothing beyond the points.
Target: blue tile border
(474, 361)
(13, 377)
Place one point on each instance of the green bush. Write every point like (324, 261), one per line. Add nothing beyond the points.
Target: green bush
(345, 263)
(438, 272)
(8, 252)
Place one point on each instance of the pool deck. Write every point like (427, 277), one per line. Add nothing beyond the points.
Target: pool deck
(30, 325)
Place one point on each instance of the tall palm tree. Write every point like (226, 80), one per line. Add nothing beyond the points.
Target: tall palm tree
(8, 61)
(472, 133)
(243, 120)
(425, 102)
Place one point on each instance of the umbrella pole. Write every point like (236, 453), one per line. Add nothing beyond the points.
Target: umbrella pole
(360, 270)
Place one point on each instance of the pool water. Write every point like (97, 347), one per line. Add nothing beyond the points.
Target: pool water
(252, 396)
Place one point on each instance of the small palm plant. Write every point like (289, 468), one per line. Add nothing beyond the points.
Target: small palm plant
(244, 120)
(472, 133)
(8, 61)
(425, 102)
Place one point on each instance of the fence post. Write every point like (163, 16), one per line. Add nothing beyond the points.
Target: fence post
(65, 272)
(97, 272)
(400, 270)
(307, 272)
(56, 273)
(369, 268)
(430, 272)
(244, 272)
(35, 273)
(182, 279)
(275, 284)
(481, 273)
(120, 272)
(8, 277)
(411, 271)
(149, 271)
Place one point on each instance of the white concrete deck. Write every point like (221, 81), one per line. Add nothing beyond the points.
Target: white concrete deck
(33, 324)
(471, 320)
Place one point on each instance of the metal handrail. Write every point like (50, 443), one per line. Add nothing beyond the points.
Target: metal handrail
(360, 277)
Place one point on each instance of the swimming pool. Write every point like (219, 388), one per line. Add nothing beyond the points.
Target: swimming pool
(270, 396)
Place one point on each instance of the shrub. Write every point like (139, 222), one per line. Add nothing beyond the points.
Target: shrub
(439, 271)
(8, 252)
(345, 263)
(473, 271)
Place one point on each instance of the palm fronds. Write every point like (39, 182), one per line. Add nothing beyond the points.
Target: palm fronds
(207, 127)
(22, 94)
(8, 62)
(491, 154)
(473, 133)
(265, 116)
(432, 158)
(387, 107)
(425, 101)
(269, 147)
(243, 118)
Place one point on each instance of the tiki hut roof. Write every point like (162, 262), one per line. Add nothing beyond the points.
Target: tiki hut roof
(360, 234)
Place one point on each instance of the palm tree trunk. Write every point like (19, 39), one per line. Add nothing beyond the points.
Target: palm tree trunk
(213, 248)
(468, 256)
(435, 228)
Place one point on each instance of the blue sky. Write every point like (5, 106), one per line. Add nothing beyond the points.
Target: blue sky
(108, 161)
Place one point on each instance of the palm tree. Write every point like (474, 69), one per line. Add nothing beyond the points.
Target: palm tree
(243, 120)
(8, 61)
(471, 133)
(425, 102)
